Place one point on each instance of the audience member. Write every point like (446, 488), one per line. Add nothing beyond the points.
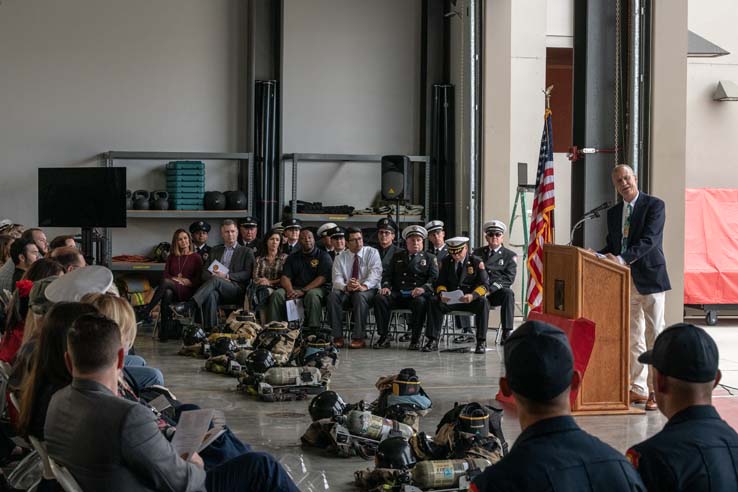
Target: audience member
(406, 283)
(123, 449)
(386, 229)
(120, 311)
(267, 271)
(552, 452)
(696, 450)
(459, 271)
(307, 276)
(291, 234)
(199, 231)
(357, 273)
(248, 230)
(338, 241)
(63, 241)
(13, 230)
(39, 239)
(218, 287)
(69, 257)
(5, 242)
(323, 236)
(436, 239)
(23, 252)
(182, 276)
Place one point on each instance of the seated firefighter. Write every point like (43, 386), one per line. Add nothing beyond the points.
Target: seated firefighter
(219, 287)
(407, 283)
(459, 271)
(502, 265)
(306, 275)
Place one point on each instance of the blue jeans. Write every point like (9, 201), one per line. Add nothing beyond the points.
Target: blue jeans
(143, 377)
(253, 471)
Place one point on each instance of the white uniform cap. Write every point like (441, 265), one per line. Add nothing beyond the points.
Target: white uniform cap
(72, 286)
(495, 226)
(414, 230)
(455, 244)
(323, 230)
(433, 225)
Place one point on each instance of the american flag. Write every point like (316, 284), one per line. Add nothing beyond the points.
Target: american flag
(541, 226)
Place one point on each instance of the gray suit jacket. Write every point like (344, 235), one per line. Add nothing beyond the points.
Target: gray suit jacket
(242, 264)
(109, 443)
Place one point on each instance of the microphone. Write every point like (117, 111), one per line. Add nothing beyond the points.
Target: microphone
(595, 212)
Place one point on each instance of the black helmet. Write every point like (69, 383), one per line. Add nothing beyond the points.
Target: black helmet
(394, 453)
(260, 361)
(406, 383)
(222, 346)
(474, 419)
(192, 334)
(326, 405)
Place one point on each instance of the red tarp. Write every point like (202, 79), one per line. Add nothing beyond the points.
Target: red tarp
(711, 246)
(581, 335)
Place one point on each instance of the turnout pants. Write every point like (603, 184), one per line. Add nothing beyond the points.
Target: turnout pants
(359, 303)
(479, 307)
(214, 292)
(418, 307)
(505, 298)
(312, 302)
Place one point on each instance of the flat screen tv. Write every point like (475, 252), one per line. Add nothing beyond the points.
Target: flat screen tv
(82, 197)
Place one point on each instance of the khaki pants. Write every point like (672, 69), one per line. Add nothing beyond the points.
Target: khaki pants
(646, 322)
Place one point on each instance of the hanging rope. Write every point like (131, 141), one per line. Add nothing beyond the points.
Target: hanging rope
(617, 84)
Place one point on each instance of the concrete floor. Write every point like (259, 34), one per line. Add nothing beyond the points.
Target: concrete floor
(446, 377)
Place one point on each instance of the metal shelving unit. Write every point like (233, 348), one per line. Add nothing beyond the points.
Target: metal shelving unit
(296, 158)
(245, 181)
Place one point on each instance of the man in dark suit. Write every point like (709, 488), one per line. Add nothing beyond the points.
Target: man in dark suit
(219, 287)
(406, 283)
(502, 266)
(462, 271)
(635, 232)
(113, 444)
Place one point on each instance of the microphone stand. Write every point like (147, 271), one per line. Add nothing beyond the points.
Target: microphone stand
(581, 221)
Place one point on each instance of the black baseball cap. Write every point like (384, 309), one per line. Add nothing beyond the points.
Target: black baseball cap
(684, 351)
(539, 363)
(247, 222)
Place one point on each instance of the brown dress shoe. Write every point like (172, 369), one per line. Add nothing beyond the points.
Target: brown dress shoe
(637, 397)
(338, 342)
(651, 403)
(357, 343)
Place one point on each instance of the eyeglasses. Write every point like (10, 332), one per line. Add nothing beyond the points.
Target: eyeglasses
(385, 232)
(494, 234)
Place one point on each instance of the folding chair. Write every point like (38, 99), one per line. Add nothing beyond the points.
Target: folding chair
(64, 477)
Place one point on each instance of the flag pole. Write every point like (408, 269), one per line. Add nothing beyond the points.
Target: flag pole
(548, 92)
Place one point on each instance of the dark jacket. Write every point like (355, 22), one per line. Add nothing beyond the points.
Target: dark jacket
(644, 252)
(502, 266)
(696, 450)
(473, 279)
(440, 254)
(387, 254)
(405, 274)
(556, 455)
(241, 268)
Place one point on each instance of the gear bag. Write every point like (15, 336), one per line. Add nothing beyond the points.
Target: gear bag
(279, 339)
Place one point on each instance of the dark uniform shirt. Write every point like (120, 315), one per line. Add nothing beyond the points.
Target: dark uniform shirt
(288, 250)
(502, 266)
(696, 450)
(204, 252)
(556, 455)
(302, 268)
(387, 254)
(405, 273)
(472, 278)
(250, 244)
(440, 254)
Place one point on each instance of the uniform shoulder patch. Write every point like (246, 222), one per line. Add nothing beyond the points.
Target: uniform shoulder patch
(634, 457)
(481, 265)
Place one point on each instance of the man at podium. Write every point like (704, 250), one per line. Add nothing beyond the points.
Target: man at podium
(635, 231)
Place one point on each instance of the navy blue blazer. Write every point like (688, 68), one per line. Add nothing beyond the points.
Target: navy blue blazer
(644, 252)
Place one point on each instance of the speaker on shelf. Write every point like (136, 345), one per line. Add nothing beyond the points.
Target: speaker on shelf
(395, 171)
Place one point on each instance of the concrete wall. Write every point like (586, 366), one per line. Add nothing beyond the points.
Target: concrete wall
(712, 149)
(80, 77)
(349, 87)
(668, 136)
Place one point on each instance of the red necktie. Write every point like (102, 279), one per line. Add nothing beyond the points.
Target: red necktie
(355, 268)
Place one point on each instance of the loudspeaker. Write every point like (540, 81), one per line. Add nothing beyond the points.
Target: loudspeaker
(395, 170)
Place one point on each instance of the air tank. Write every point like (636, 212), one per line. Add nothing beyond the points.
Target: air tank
(290, 376)
(444, 473)
(366, 424)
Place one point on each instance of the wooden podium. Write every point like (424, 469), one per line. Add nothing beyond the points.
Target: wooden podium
(577, 284)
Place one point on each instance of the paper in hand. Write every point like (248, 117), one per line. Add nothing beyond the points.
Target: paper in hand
(218, 267)
(454, 297)
(192, 427)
